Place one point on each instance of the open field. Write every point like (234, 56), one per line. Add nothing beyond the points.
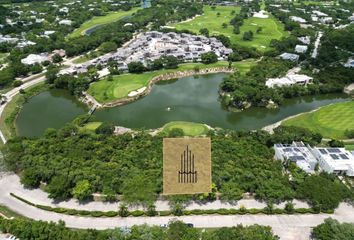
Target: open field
(189, 128)
(271, 28)
(106, 91)
(96, 21)
(331, 121)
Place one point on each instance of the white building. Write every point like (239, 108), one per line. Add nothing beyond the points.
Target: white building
(326, 20)
(65, 22)
(298, 153)
(305, 40)
(335, 160)
(331, 160)
(289, 56)
(25, 44)
(349, 63)
(289, 80)
(35, 58)
(300, 48)
(297, 19)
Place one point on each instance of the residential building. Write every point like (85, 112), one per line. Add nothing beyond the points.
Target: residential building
(335, 160)
(300, 48)
(289, 56)
(288, 80)
(297, 153)
(297, 19)
(35, 58)
(305, 40)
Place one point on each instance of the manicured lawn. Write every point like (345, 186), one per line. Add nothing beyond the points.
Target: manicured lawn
(106, 91)
(9, 213)
(271, 28)
(189, 128)
(96, 21)
(91, 126)
(331, 121)
(349, 147)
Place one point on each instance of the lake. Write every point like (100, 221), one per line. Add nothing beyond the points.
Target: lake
(193, 99)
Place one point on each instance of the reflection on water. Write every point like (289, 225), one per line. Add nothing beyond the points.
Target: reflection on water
(188, 99)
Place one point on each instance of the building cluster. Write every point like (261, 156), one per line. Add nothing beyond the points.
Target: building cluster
(331, 160)
(42, 57)
(289, 80)
(149, 46)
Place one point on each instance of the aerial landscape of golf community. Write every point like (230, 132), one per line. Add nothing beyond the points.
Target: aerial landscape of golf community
(177, 120)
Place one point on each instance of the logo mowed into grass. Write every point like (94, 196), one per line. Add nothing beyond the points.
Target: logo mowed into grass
(186, 165)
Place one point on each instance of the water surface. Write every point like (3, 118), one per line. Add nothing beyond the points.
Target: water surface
(192, 99)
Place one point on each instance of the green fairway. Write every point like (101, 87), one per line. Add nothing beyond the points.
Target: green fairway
(107, 91)
(271, 28)
(331, 121)
(91, 126)
(189, 128)
(97, 21)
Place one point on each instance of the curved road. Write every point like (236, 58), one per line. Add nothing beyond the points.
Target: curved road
(288, 227)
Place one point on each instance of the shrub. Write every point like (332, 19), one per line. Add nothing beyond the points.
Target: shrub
(137, 213)
(97, 214)
(165, 213)
(302, 210)
(17, 83)
(223, 211)
(123, 210)
(349, 133)
(279, 211)
(111, 214)
(254, 211)
(83, 212)
(60, 210)
(72, 212)
(47, 208)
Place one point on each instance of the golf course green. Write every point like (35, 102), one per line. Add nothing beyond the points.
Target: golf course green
(331, 121)
(106, 91)
(271, 28)
(101, 20)
(189, 128)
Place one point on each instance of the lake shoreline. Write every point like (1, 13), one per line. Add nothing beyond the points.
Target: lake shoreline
(89, 100)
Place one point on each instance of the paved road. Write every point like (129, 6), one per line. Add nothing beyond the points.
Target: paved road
(288, 227)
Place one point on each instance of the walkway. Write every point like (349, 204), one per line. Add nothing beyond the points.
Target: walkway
(317, 44)
(288, 227)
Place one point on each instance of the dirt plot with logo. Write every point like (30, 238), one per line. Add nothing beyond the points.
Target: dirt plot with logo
(186, 165)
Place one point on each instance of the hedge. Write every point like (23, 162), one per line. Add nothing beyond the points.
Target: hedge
(138, 213)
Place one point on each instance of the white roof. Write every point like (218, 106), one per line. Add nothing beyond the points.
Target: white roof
(65, 22)
(297, 19)
(300, 48)
(35, 58)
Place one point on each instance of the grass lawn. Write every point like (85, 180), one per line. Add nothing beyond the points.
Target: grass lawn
(271, 28)
(101, 20)
(2, 57)
(107, 91)
(331, 121)
(91, 126)
(349, 147)
(189, 128)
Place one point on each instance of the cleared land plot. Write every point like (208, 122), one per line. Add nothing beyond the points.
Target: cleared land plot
(331, 121)
(189, 128)
(107, 91)
(97, 21)
(271, 28)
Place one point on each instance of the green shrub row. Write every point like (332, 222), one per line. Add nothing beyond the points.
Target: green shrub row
(138, 213)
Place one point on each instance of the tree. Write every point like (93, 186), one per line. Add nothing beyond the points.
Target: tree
(170, 62)
(336, 143)
(51, 74)
(123, 210)
(176, 132)
(289, 208)
(82, 190)
(204, 31)
(236, 29)
(105, 128)
(56, 58)
(59, 188)
(331, 229)
(349, 133)
(108, 47)
(218, 14)
(139, 189)
(224, 25)
(230, 191)
(247, 36)
(209, 57)
(259, 29)
(136, 67)
(156, 64)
